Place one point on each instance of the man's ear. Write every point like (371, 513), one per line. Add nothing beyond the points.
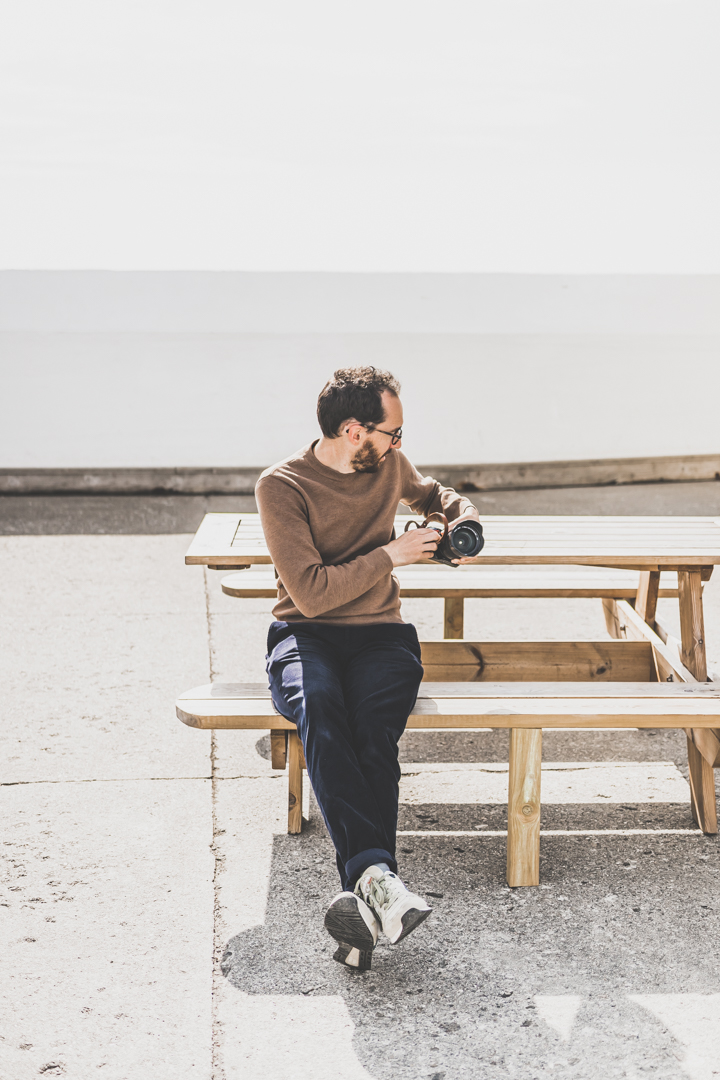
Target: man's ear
(354, 431)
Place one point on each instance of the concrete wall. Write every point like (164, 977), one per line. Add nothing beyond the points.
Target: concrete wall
(133, 369)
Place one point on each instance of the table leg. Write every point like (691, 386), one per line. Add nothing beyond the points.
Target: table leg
(523, 842)
(278, 749)
(295, 782)
(647, 595)
(694, 657)
(454, 617)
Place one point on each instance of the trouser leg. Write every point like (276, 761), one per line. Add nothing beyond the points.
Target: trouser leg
(305, 672)
(381, 683)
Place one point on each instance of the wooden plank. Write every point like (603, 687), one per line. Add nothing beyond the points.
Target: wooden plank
(700, 743)
(214, 536)
(523, 842)
(295, 783)
(694, 656)
(702, 789)
(453, 617)
(647, 595)
(692, 626)
(536, 661)
(707, 743)
(668, 666)
(591, 691)
(500, 712)
(278, 749)
(480, 582)
(639, 543)
(612, 621)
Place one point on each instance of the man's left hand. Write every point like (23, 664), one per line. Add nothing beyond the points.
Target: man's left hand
(470, 516)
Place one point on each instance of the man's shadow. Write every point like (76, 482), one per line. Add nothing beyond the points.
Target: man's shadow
(458, 997)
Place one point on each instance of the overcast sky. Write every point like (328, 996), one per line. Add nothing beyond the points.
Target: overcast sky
(394, 135)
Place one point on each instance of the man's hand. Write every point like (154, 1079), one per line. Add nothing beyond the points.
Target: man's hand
(416, 545)
(472, 515)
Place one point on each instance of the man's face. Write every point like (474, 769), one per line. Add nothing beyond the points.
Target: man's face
(377, 444)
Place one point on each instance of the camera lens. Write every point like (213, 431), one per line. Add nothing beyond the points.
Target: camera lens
(467, 539)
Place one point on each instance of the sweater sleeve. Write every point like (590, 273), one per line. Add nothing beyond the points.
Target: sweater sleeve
(426, 496)
(313, 587)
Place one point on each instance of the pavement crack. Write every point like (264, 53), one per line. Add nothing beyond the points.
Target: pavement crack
(218, 1073)
(103, 780)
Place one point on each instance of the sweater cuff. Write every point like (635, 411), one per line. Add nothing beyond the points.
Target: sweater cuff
(384, 564)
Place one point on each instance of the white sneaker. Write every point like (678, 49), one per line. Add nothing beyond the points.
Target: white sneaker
(398, 910)
(353, 925)
(360, 959)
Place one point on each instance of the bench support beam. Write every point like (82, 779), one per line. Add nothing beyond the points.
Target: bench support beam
(691, 665)
(647, 595)
(523, 843)
(278, 749)
(295, 782)
(454, 617)
(694, 657)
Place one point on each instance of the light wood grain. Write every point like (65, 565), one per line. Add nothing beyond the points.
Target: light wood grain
(524, 774)
(592, 691)
(481, 582)
(632, 542)
(701, 744)
(536, 661)
(624, 622)
(278, 749)
(692, 627)
(453, 617)
(694, 656)
(707, 743)
(703, 803)
(295, 782)
(647, 595)
(200, 709)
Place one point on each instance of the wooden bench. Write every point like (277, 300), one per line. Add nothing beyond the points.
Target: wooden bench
(523, 686)
(455, 586)
(524, 708)
(646, 680)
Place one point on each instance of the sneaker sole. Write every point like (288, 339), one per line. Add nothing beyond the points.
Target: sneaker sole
(410, 921)
(365, 958)
(344, 922)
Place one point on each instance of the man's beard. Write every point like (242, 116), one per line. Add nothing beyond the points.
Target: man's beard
(367, 459)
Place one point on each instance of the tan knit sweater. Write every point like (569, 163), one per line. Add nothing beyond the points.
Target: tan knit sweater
(325, 531)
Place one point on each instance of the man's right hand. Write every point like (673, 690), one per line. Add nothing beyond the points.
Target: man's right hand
(416, 545)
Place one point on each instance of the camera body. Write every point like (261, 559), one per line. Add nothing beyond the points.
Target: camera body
(464, 540)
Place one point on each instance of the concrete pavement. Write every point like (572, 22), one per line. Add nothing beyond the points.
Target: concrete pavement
(158, 921)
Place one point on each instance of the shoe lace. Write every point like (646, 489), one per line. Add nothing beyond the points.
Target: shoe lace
(385, 889)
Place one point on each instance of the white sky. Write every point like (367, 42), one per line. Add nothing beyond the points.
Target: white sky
(532, 136)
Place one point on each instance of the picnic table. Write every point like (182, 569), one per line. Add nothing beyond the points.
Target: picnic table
(642, 678)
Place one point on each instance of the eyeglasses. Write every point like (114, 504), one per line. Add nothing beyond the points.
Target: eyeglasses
(395, 436)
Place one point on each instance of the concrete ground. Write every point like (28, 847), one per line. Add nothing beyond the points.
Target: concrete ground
(158, 921)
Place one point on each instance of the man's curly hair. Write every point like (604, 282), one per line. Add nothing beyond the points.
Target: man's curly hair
(353, 393)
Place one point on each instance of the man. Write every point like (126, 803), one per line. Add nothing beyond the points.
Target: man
(341, 662)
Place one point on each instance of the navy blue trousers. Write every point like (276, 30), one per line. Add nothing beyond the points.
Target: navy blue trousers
(349, 690)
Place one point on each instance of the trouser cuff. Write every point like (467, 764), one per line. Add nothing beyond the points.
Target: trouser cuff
(356, 867)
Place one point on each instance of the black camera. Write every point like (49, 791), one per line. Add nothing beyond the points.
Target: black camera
(464, 540)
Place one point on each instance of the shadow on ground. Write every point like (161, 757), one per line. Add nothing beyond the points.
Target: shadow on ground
(512, 982)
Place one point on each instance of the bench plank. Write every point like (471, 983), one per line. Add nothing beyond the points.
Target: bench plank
(524, 773)
(481, 582)
(697, 691)
(640, 543)
(537, 661)
(200, 708)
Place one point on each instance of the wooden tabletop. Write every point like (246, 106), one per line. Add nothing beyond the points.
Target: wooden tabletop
(229, 541)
